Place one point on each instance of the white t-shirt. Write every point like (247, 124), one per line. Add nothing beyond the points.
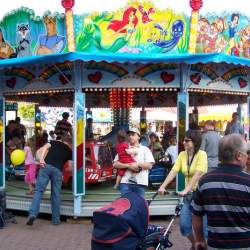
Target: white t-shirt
(144, 156)
(173, 152)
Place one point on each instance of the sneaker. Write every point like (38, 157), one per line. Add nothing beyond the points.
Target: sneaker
(115, 187)
(132, 180)
(56, 223)
(30, 220)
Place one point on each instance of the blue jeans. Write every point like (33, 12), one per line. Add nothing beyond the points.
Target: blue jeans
(45, 174)
(139, 189)
(186, 219)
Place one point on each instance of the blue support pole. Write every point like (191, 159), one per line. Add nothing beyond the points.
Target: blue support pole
(182, 125)
(79, 141)
(2, 143)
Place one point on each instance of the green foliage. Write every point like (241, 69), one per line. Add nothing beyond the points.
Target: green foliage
(103, 17)
(26, 111)
(84, 38)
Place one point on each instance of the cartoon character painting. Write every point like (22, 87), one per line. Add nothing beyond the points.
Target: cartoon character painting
(244, 44)
(233, 50)
(6, 51)
(145, 14)
(228, 34)
(177, 32)
(211, 39)
(23, 40)
(158, 33)
(50, 42)
(126, 27)
(128, 22)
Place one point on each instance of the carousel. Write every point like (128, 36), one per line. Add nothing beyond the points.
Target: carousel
(136, 57)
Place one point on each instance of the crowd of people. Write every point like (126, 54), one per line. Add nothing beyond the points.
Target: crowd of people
(45, 156)
(216, 194)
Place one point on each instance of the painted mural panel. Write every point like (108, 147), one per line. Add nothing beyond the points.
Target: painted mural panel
(137, 28)
(103, 74)
(24, 34)
(228, 33)
(219, 76)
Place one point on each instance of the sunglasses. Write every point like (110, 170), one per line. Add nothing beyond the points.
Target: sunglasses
(187, 140)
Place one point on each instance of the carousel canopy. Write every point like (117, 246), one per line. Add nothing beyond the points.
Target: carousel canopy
(126, 57)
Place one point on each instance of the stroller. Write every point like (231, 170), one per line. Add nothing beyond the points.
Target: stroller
(123, 225)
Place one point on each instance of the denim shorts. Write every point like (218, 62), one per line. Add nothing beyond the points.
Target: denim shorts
(125, 187)
(186, 218)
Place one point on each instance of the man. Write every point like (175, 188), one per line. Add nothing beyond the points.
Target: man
(21, 128)
(63, 127)
(50, 42)
(224, 196)
(210, 144)
(144, 161)
(52, 159)
(234, 127)
(89, 129)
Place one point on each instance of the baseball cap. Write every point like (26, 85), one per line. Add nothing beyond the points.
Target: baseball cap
(134, 130)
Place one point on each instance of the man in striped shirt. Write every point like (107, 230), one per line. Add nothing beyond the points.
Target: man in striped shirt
(224, 196)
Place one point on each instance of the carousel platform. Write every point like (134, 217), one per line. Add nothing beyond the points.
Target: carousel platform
(96, 196)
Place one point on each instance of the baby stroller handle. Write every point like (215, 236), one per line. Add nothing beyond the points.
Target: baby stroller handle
(152, 198)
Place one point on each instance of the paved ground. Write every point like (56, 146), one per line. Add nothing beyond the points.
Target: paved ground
(69, 235)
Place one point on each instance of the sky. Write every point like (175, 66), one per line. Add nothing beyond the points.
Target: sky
(83, 6)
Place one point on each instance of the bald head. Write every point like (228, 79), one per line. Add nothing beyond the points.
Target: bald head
(230, 146)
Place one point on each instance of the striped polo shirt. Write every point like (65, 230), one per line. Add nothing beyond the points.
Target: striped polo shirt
(224, 196)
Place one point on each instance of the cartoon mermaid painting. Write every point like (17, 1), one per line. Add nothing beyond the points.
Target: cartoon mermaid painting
(128, 22)
(125, 27)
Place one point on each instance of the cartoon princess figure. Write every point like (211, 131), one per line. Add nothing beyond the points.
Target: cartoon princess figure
(128, 22)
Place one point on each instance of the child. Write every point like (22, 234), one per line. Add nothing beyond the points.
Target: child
(126, 155)
(30, 165)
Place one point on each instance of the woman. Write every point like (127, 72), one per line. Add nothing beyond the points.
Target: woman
(155, 146)
(128, 22)
(193, 164)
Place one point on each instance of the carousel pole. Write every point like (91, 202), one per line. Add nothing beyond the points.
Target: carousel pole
(68, 5)
(183, 122)
(2, 160)
(2, 142)
(196, 6)
(79, 115)
(78, 140)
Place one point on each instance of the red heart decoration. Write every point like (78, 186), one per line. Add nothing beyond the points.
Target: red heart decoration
(167, 77)
(95, 77)
(195, 78)
(65, 79)
(11, 82)
(242, 82)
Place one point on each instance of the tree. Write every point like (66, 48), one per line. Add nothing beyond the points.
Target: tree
(26, 111)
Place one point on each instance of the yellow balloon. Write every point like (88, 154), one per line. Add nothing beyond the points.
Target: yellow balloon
(17, 157)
